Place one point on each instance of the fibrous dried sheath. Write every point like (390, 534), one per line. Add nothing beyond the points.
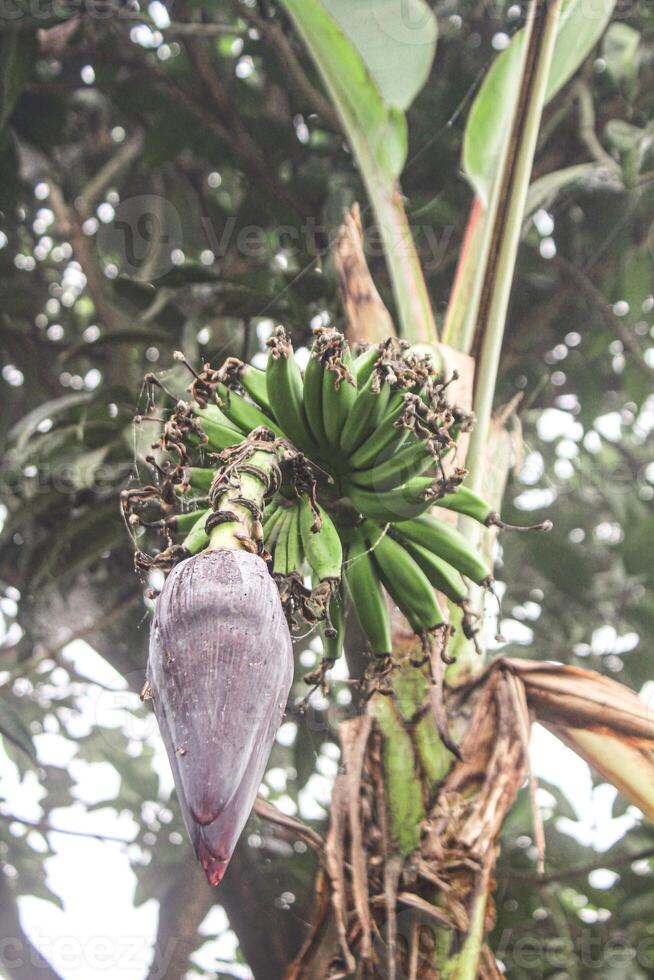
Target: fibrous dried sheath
(220, 670)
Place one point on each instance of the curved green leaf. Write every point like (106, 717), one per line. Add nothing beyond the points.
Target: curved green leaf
(365, 117)
(371, 73)
(369, 68)
(397, 42)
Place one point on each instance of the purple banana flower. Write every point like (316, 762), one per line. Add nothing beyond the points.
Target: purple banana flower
(220, 671)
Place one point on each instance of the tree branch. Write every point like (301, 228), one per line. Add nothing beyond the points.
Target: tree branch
(577, 871)
(273, 33)
(70, 227)
(122, 159)
(19, 958)
(181, 911)
(616, 324)
(44, 827)
(231, 123)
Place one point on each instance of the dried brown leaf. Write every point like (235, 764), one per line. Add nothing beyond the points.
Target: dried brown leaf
(367, 317)
(354, 736)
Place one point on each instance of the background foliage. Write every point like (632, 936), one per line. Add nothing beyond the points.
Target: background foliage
(210, 120)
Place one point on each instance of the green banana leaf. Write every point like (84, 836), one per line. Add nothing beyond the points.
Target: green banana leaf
(373, 60)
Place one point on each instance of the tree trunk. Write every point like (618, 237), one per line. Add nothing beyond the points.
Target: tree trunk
(413, 838)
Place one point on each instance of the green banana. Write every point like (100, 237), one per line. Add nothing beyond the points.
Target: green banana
(410, 461)
(213, 414)
(271, 537)
(369, 406)
(293, 543)
(271, 517)
(385, 437)
(243, 413)
(184, 522)
(285, 391)
(219, 436)
(363, 365)
(400, 503)
(440, 573)
(200, 478)
(467, 502)
(405, 582)
(449, 544)
(367, 597)
(322, 548)
(312, 396)
(470, 504)
(254, 381)
(332, 644)
(381, 406)
(197, 538)
(338, 397)
(280, 566)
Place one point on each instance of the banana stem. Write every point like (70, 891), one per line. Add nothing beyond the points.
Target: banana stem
(250, 480)
(499, 248)
(458, 329)
(465, 965)
(513, 185)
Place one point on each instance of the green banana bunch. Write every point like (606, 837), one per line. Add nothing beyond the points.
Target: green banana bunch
(200, 479)
(285, 392)
(233, 372)
(294, 556)
(428, 355)
(405, 581)
(271, 517)
(182, 523)
(368, 601)
(467, 502)
(272, 530)
(367, 430)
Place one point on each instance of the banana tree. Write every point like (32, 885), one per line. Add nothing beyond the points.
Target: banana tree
(348, 483)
